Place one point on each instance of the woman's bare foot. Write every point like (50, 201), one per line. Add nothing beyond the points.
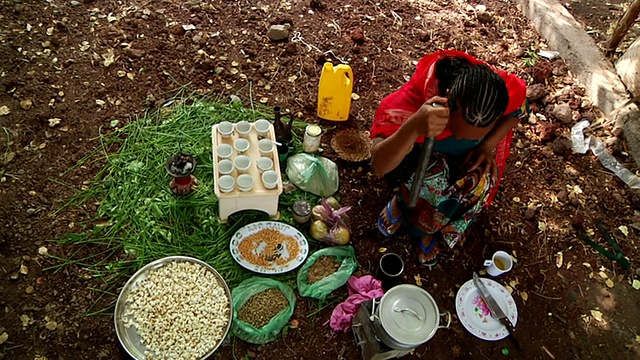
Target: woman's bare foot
(390, 218)
(428, 251)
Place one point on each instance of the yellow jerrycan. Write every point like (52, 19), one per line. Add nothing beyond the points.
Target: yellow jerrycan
(334, 92)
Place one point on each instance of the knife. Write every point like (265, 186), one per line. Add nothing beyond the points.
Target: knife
(495, 308)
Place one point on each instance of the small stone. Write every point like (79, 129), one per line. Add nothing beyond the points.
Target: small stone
(519, 52)
(235, 99)
(484, 17)
(536, 92)
(150, 101)
(563, 113)
(31, 211)
(563, 195)
(541, 72)
(559, 68)
(3, 337)
(531, 211)
(278, 33)
(133, 53)
(42, 251)
(251, 354)
(357, 36)
(29, 289)
(291, 48)
(15, 276)
(177, 30)
(578, 89)
(546, 131)
(577, 221)
(26, 104)
(219, 70)
(51, 325)
(561, 145)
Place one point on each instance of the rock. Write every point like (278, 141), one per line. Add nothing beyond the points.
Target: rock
(541, 72)
(536, 92)
(563, 113)
(3, 337)
(577, 221)
(316, 5)
(519, 52)
(531, 211)
(207, 64)
(26, 104)
(559, 68)
(561, 145)
(150, 101)
(177, 30)
(546, 131)
(563, 195)
(235, 99)
(278, 32)
(31, 211)
(357, 36)
(75, 3)
(51, 325)
(29, 289)
(291, 48)
(484, 17)
(578, 89)
(133, 53)
(219, 70)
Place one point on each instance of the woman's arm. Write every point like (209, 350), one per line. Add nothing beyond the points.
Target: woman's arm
(428, 121)
(499, 131)
(483, 154)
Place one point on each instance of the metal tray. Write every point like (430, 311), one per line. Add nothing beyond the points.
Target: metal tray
(129, 337)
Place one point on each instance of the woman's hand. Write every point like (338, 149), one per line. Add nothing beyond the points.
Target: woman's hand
(430, 120)
(482, 157)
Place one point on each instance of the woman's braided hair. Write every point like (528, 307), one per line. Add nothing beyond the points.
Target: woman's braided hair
(479, 91)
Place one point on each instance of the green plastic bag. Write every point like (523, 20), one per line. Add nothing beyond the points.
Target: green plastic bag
(324, 287)
(270, 331)
(315, 174)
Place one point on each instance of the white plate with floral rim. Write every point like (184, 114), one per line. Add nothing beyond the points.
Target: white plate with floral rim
(269, 247)
(476, 317)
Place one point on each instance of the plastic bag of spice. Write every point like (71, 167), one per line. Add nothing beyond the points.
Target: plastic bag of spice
(315, 174)
(261, 308)
(337, 262)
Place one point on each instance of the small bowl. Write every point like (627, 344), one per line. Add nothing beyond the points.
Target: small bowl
(224, 151)
(245, 182)
(243, 128)
(270, 179)
(266, 147)
(262, 127)
(226, 183)
(225, 129)
(264, 164)
(241, 145)
(242, 163)
(225, 166)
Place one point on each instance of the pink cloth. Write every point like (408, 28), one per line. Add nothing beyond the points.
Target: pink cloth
(360, 290)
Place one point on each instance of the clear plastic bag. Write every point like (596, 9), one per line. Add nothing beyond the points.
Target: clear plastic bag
(581, 145)
(270, 331)
(315, 174)
(322, 288)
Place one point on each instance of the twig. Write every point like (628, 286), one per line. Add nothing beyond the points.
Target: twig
(548, 352)
(547, 297)
(580, 288)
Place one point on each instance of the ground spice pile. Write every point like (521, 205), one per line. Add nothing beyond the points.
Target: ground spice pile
(323, 267)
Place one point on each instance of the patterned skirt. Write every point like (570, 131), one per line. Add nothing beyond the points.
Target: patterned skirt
(449, 201)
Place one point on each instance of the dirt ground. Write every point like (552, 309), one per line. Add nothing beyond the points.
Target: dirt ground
(71, 67)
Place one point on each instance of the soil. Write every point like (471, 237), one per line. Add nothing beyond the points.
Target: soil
(323, 267)
(262, 307)
(72, 70)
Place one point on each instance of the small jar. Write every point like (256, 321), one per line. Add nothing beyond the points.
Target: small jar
(311, 142)
(301, 211)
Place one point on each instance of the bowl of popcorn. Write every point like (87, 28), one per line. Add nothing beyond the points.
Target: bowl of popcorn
(173, 308)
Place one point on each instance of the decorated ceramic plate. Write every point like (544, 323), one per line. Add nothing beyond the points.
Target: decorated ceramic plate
(269, 247)
(475, 315)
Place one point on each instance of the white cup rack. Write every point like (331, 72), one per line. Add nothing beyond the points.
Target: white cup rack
(258, 198)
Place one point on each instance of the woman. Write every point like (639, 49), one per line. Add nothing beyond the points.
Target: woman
(476, 109)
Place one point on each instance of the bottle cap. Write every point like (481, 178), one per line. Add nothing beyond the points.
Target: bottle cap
(313, 130)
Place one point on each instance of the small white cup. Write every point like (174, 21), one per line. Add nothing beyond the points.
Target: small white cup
(241, 145)
(270, 179)
(264, 164)
(225, 166)
(266, 147)
(243, 128)
(226, 183)
(245, 182)
(224, 151)
(262, 127)
(500, 263)
(225, 129)
(242, 164)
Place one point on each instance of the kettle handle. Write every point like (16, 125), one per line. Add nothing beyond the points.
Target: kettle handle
(448, 315)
